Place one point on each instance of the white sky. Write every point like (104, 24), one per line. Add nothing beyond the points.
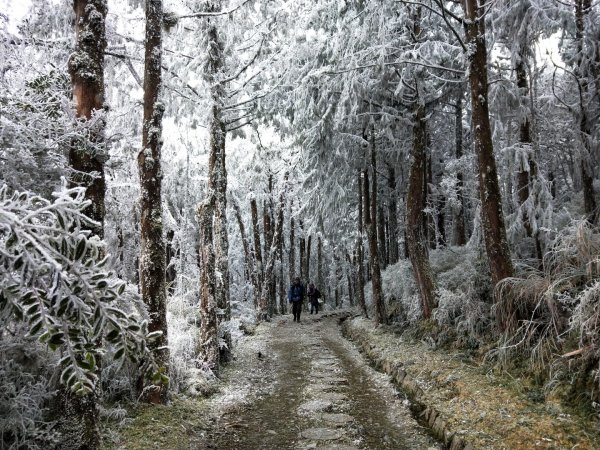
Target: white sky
(16, 11)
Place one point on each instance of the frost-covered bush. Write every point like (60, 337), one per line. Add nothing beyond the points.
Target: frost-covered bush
(54, 278)
(556, 310)
(25, 390)
(463, 290)
(57, 293)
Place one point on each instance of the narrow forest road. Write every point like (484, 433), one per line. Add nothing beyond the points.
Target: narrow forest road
(324, 396)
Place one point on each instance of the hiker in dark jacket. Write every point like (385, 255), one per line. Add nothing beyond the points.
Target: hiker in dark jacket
(313, 298)
(296, 297)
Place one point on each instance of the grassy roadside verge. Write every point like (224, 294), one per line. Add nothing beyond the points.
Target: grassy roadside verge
(181, 425)
(464, 406)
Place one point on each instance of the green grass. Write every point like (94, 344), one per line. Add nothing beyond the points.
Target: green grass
(171, 427)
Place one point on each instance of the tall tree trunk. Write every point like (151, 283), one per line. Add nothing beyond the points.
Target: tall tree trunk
(86, 67)
(320, 264)
(378, 301)
(582, 9)
(459, 233)
(383, 261)
(267, 240)
(86, 160)
(523, 175)
(415, 203)
(349, 278)
(152, 253)
(360, 249)
(492, 218)
(292, 263)
(430, 201)
(392, 217)
(209, 337)
(264, 303)
(282, 284)
(308, 249)
(258, 264)
(248, 252)
(302, 254)
(217, 174)
(171, 272)
(441, 221)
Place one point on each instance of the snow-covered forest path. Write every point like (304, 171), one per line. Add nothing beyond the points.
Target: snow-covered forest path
(324, 396)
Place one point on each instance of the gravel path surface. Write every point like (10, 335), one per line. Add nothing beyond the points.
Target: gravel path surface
(317, 392)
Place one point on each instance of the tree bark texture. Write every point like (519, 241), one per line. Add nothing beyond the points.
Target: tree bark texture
(217, 174)
(264, 303)
(582, 9)
(308, 250)
(378, 301)
(258, 265)
(282, 283)
(267, 239)
(523, 175)
(381, 241)
(415, 203)
(492, 218)
(209, 334)
(248, 252)
(459, 233)
(86, 160)
(320, 264)
(292, 261)
(152, 254)
(394, 254)
(360, 250)
(86, 67)
(302, 254)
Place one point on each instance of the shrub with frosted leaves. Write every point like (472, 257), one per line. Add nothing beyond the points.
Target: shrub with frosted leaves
(54, 277)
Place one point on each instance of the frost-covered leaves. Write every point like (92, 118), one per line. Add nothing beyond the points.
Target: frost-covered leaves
(55, 279)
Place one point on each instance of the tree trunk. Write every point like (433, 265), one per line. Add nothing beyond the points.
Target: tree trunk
(459, 234)
(86, 67)
(415, 203)
(349, 278)
(264, 303)
(292, 264)
(86, 160)
(378, 301)
(489, 191)
(302, 254)
(392, 217)
(258, 267)
(152, 254)
(360, 250)
(282, 284)
(217, 174)
(582, 9)
(267, 240)
(383, 261)
(250, 268)
(308, 249)
(319, 263)
(209, 338)
(523, 175)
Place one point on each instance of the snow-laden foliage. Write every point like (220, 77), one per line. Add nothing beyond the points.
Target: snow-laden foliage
(559, 303)
(55, 279)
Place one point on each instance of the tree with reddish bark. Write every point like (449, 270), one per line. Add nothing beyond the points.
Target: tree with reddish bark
(152, 246)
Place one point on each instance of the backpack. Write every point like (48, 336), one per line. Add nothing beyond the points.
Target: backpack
(296, 293)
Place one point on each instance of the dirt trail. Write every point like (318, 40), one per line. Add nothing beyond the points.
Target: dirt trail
(324, 396)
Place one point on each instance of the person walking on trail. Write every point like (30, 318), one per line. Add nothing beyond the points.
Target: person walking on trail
(295, 297)
(313, 298)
